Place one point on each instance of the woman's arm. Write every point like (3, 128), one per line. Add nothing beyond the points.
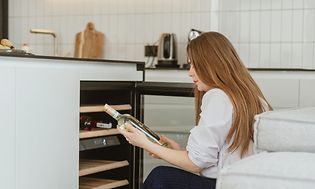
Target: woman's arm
(176, 157)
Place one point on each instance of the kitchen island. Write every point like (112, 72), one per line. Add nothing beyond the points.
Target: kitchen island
(40, 108)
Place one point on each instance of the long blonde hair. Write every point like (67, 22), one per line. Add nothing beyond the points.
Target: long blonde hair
(218, 65)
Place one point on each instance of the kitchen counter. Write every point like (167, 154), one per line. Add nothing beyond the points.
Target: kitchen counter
(88, 69)
(251, 69)
(140, 65)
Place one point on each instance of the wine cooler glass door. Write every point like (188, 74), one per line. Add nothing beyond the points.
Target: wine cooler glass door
(170, 116)
(167, 109)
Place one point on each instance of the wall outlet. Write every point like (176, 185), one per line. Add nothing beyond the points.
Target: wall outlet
(150, 50)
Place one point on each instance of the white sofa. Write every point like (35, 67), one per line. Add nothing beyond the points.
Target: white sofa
(285, 159)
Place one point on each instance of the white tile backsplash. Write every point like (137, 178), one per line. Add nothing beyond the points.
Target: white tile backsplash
(264, 56)
(286, 26)
(309, 25)
(265, 26)
(254, 27)
(287, 4)
(243, 52)
(308, 54)
(298, 4)
(266, 33)
(244, 5)
(195, 6)
(228, 5)
(206, 4)
(204, 21)
(286, 55)
(244, 26)
(297, 22)
(254, 55)
(297, 55)
(265, 4)
(309, 4)
(255, 4)
(230, 27)
(276, 26)
(195, 20)
(276, 4)
(275, 55)
(214, 21)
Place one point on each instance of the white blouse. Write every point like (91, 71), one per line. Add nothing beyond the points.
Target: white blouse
(207, 147)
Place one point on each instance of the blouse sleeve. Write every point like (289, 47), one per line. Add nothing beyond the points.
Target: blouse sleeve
(206, 139)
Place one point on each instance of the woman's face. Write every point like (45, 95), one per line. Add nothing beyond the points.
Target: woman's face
(200, 85)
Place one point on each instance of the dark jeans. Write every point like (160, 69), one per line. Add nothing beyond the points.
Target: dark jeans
(164, 177)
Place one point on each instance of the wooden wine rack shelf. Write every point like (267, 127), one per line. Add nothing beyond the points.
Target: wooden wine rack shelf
(95, 183)
(94, 166)
(100, 108)
(96, 132)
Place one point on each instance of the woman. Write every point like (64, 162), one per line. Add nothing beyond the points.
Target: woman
(227, 99)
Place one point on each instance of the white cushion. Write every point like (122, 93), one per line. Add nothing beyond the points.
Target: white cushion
(274, 170)
(286, 130)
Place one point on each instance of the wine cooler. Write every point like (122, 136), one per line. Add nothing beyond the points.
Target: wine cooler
(107, 160)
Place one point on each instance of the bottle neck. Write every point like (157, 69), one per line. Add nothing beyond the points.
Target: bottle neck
(116, 115)
(112, 112)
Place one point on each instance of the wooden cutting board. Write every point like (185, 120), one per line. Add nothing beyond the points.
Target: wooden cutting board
(89, 43)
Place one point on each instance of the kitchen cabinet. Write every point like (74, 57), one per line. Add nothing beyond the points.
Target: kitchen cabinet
(307, 91)
(287, 88)
(46, 132)
(39, 134)
(7, 126)
(281, 93)
(283, 88)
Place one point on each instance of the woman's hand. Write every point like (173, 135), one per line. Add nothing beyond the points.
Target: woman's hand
(171, 154)
(134, 136)
(170, 143)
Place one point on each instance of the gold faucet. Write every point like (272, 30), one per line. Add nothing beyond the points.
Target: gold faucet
(49, 32)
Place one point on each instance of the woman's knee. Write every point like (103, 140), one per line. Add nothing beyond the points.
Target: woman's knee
(156, 173)
(158, 170)
(155, 178)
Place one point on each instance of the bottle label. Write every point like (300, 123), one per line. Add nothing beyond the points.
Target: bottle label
(115, 114)
(104, 125)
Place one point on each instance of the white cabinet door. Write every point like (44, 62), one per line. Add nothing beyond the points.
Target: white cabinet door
(280, 93)
(307, 91)
(47, 116)
(7, 127)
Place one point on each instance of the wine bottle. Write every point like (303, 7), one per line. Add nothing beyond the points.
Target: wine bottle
(126, 118)
(87, 123)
